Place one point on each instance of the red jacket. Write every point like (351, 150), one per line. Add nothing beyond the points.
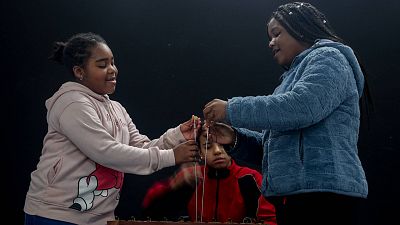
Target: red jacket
(232, 195)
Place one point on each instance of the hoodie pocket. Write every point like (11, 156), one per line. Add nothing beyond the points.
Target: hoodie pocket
(54, 170)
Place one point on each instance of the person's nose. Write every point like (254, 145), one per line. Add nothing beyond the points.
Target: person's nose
(112, 69)
(271, 43)
(218, 150)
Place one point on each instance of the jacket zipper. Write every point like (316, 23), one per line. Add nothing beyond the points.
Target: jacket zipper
(216, 199)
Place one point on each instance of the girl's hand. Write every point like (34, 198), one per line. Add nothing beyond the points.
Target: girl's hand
(191, 127)
(187, 176)
(215, 111)
(186, 152)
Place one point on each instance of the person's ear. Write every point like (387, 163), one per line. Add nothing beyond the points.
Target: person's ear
(78, 72)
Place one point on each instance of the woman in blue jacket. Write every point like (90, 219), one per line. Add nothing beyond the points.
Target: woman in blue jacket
(311, 169)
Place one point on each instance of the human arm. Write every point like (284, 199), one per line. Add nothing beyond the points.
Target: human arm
(169, 198)
(322, 86)
(81, 124)
(172, 137)
(163, 202)
(249, 149)
(245, 146)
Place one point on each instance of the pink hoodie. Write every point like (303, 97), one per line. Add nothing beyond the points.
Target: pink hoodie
(91, 141)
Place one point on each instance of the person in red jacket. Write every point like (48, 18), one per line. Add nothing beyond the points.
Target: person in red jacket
(228, 192)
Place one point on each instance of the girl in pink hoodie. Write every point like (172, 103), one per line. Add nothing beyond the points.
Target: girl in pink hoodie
(92, 141)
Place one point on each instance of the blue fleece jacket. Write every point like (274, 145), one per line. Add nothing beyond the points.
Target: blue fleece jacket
(309, 125)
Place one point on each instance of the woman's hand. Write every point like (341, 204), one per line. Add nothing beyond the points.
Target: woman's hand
(215, 111)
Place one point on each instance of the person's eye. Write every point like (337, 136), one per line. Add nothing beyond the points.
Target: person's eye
(208, 145)
(276, 34)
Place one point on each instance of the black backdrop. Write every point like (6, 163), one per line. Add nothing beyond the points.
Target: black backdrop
(173, 57)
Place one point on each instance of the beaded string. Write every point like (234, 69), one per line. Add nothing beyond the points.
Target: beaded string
(204, 176)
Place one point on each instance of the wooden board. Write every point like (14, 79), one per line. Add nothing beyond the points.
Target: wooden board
(133, 222)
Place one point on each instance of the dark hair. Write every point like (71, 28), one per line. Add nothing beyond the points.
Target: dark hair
(199, 133)
(76, 51)
(306, 23)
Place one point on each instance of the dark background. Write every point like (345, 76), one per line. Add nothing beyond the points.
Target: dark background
(173, 57)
